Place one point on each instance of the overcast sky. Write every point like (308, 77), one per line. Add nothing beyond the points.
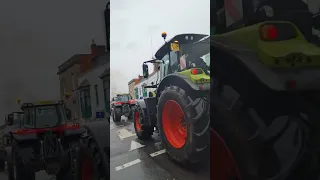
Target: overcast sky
(36, 36)
(134, 22)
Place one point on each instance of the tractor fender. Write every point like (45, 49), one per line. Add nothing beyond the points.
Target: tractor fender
(24, 137)
(141, 103)
(247, 58)
(74, 132)
(99, 133)
(177, 80)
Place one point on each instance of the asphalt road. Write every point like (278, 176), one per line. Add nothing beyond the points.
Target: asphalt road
(42, 175)
(138, 160)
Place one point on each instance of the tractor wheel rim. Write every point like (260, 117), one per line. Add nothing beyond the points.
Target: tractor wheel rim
(87, 171)
(137, 119)
(173, 123)
(223, 165)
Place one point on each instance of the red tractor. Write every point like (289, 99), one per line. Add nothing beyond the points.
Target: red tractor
(122, 105)
(45, 140)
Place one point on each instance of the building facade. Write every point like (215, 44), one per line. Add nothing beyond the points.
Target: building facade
(139, 91)
(131, 86)
(70, 71)
(94, 89)
(68, 74)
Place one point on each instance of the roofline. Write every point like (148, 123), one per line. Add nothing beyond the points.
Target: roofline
(164, 48)
(68, 63)
(132, 80)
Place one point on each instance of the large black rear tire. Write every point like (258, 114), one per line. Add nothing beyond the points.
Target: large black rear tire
(87, 168)
(94, 152)
(197, 119)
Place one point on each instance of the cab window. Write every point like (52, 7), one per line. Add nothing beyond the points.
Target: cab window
(166, 65)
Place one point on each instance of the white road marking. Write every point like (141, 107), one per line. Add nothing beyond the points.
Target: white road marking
(118, 168)
(135, 145)
(158, 153)
(125, 133)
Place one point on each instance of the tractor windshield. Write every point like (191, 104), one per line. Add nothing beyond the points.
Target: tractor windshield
(198, 54)
(122, 98)
(44, 116)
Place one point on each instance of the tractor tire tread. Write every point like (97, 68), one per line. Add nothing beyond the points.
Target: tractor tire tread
(146, 131)
(197, 112)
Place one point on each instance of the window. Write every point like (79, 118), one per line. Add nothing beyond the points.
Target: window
(144, 92)
(166, 68)
(47, 116)
(139, 92)
(27, 119)
(73, 82)
(85, 101)
(136, 93)
(63, 85)
(97, 95)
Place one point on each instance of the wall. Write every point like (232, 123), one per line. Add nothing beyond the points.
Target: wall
(93, 77)
(67, 87)
(131, 89)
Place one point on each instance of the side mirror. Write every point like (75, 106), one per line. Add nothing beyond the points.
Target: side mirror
(10, 120)
(145, 70)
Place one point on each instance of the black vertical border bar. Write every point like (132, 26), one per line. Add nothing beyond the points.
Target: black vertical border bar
(107, 24)
(106, 150)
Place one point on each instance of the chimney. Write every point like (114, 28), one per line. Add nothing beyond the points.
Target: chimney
(93, 48)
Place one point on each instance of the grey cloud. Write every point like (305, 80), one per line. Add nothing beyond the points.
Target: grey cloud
(131, 45)
(36, 36)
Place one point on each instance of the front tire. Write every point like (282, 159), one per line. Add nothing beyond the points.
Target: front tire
(16, 170)
(184, 125)
(143, 131)
(116, 117)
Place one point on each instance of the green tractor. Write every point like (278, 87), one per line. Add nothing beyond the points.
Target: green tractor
(265, 93)
(179, 110)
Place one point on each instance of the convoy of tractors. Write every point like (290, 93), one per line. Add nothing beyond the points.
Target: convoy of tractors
(264, 83)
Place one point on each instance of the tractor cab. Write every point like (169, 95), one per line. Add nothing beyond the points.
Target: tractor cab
(44, 114)
(233, 15)
(183, 52)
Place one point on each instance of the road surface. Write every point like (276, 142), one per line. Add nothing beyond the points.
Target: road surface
(42, 175)
(138, 160)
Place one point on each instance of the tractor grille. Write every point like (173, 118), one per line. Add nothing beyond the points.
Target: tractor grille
(51, 146)
(125, 108)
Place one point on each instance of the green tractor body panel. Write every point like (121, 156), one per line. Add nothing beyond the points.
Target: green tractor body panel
(196, 78)
(273, 53)
(275, 63)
